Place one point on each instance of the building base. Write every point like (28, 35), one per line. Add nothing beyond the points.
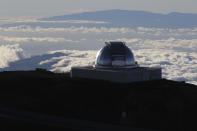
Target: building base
(123, 75)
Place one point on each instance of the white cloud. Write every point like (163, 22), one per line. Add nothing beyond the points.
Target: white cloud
(175, 65)
(57, 21)
(69, 29)
(36, 39)
(74, 21)
(10, 53)
(169, 44)
(181, 66)
(34, 20)
(141, 32)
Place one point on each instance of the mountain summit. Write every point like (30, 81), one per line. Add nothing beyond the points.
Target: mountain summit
(130, 18)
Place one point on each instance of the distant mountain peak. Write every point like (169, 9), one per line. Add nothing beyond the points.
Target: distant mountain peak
(133, 18)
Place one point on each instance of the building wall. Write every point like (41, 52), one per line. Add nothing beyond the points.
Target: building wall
(117, 75)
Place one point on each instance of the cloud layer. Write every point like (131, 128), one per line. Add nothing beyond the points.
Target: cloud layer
(181, 66)
(175, 50)
(159, 32)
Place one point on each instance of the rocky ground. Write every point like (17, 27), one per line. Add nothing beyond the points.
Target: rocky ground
(155, 105)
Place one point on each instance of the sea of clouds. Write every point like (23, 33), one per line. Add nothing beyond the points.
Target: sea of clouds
(58, 49)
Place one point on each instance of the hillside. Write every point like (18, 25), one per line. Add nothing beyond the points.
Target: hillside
(161, 104)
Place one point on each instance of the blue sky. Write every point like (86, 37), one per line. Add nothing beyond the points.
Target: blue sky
(11, 8)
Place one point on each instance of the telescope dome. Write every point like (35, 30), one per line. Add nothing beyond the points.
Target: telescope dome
(115, 54)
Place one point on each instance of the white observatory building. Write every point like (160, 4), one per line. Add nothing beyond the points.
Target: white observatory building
(115, 62)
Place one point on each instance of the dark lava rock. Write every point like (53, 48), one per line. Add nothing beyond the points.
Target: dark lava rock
(160, 104)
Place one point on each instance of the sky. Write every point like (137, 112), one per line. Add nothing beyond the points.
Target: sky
(40, 8)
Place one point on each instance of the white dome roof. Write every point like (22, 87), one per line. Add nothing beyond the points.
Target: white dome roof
(115, 54)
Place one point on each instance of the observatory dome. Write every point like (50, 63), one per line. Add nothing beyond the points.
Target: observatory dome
(115, 54)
